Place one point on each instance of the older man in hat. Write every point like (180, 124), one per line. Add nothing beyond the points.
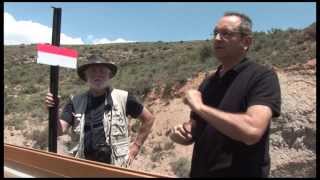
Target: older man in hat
(98, 117)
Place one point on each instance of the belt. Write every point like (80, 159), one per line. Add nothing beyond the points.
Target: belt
(88, 127)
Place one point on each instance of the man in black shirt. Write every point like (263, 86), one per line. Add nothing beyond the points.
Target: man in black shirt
(98, 117)
(231, 111)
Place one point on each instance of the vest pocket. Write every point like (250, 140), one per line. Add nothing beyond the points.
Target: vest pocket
(119, 126)
(75, 135)
(121, 152)
(120, 148)
(77, 124)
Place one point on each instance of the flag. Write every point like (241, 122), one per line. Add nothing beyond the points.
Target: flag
(56, 56)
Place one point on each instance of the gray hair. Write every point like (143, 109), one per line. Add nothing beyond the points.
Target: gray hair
(246, 23)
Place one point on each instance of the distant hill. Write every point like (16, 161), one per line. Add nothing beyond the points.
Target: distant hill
(142, 66)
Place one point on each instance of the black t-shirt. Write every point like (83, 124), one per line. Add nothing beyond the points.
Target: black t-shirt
(133, 107)
(209, 154)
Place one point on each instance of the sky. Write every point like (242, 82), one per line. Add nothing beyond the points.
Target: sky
(122, 22)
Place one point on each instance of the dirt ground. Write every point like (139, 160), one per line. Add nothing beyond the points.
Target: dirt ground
(292, 139)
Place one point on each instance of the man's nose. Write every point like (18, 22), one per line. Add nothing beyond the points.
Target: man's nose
(217, 37)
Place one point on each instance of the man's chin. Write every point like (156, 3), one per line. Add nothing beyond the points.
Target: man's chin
(99, 87)
(221, 57)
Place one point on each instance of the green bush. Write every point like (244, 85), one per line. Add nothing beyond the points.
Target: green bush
(168, 145)
(181, 167)
(167, 90)
(41, 138)
(30, 89)
(16, 122)
(205, 52)
(157, 148)
(142, 150)
(155, 157)
(135, 49)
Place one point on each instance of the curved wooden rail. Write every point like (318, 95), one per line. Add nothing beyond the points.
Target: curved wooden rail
(27, 162)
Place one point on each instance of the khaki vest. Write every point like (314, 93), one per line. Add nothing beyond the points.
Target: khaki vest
(119, 128)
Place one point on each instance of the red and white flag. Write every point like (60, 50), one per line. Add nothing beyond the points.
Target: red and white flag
(56, 56)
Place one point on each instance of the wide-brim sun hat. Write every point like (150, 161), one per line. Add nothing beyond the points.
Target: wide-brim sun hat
(92, 60)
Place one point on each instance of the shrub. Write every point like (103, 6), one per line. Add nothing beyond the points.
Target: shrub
(155, 157)
(30, 88)
(153, 166)
(41, 138)
(8, 103)
(17, 121)
(182, 81)
(165, 48)
(168, 145)
(181, 167)
(205, 53)
(143, 50)
(167, 90)
(157, 148)
(135, 49)
(142, 150)
(156, 153)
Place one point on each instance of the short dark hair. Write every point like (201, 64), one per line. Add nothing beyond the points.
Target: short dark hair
(246, 23)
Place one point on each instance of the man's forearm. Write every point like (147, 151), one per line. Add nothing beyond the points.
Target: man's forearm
(144, 131)
(59, 129)
(235, 126)
(62, 127)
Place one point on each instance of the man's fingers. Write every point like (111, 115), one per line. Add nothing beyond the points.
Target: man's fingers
(187, 127)
(50, 103)
(129, 162)
(51, 95)
(182, 131)
(189, 136)
(49, 100)
(174, 133)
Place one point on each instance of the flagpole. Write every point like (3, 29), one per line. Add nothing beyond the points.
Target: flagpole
(54, 82)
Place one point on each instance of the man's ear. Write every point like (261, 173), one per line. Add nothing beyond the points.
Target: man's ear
(247, 41)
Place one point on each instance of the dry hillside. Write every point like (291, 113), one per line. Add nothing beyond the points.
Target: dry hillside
(293, 137)
(156, 73)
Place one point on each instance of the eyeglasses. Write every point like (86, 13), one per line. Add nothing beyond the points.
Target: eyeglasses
(226, 34)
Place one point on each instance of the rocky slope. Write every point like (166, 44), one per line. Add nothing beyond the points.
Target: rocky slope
(292, 140)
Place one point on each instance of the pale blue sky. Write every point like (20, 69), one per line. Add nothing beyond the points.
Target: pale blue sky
(166, 21)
